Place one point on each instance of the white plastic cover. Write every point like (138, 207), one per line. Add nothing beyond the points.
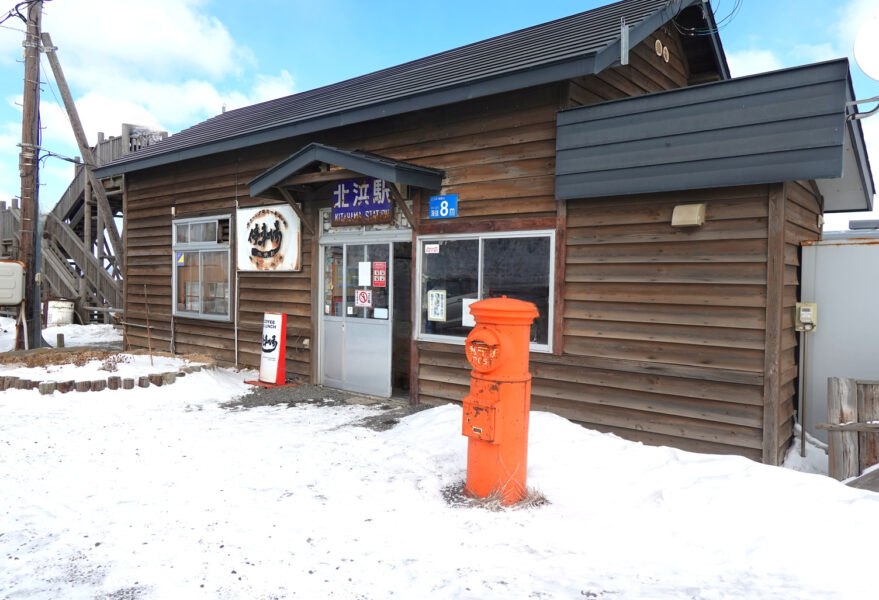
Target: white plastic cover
(11, 283)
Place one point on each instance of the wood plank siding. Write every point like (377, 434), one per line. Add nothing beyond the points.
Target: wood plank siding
(663, 335)
(200, 188)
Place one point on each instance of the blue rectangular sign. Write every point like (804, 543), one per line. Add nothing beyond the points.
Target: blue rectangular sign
(365, 201)
(443, 207)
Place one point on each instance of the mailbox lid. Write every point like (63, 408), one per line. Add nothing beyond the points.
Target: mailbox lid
(479, 419)
(11, 283)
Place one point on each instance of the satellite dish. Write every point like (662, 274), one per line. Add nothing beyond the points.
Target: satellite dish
(867, 47)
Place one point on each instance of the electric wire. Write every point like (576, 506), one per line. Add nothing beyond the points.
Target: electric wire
(15, 11)
(719, 24)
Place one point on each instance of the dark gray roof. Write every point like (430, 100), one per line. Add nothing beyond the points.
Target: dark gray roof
(570, 47)
(780, 126)
(365, 163)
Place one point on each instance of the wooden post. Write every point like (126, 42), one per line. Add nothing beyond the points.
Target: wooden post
(557, 326)
(398, 200)
(84, 149)
(28, 165)
(414, 308)
(842, 406)
(774, 323)
(59, 340)
(306, 224)
(868, 412)
(87, 236)
(100, 239)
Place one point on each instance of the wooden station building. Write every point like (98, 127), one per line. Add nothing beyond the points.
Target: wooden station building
(613, 174)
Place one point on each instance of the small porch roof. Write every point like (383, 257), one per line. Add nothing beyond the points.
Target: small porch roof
(365, 163)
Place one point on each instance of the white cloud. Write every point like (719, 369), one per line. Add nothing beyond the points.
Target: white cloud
(102, 39)
(852, 16)
(270, 87)
(163, 105)
(748, 62)
(809, 53)
(162, 63)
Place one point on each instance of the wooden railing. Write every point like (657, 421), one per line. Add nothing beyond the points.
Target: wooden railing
(109, 290)
(72, 195)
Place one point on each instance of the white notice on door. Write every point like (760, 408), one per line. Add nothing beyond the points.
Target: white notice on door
(467, 319)
(364, 274)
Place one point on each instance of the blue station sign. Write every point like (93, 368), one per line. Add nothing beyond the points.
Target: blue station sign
(443, 207)
(364, 201)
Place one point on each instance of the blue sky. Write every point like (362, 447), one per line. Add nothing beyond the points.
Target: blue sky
(173, 63)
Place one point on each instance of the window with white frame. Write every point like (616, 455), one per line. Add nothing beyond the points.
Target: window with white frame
(202, 267)
(455, 271)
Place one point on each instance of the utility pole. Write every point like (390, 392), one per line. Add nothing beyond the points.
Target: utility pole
(29, 163)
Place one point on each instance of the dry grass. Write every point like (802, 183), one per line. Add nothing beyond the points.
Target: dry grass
(111, 363)
(109, 358)
(48, 357)
(454, 495)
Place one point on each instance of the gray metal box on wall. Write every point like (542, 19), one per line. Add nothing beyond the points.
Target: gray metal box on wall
(841, 275)
(11, 283)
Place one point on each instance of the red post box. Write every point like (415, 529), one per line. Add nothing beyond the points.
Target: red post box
(496, 410)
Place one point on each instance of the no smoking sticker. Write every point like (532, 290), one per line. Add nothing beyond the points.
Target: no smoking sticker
(363, 299)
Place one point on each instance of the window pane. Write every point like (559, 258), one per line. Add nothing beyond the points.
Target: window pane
(215, 277)
(380, 307)
(182, 233)
(355, 255)
(519, 268)
(449, 274)
(187, 282)
(333, 281)
(203, 232)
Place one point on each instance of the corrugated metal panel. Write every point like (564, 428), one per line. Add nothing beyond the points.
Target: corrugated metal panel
(780, 126)
(549, 52)
(366, 163)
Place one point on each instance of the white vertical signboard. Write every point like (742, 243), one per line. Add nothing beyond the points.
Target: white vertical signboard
(274, 343)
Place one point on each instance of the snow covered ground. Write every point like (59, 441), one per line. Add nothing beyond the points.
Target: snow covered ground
(163, 493)
(74, 335)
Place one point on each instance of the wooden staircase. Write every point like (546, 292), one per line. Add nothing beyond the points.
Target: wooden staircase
(78, 263)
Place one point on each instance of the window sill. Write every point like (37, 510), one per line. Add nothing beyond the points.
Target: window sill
(198, 317)
(459, 341)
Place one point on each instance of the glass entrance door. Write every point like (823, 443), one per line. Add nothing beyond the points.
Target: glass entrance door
(357, 317)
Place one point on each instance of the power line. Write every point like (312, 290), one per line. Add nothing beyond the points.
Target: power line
(719, 24)
(15, 11)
